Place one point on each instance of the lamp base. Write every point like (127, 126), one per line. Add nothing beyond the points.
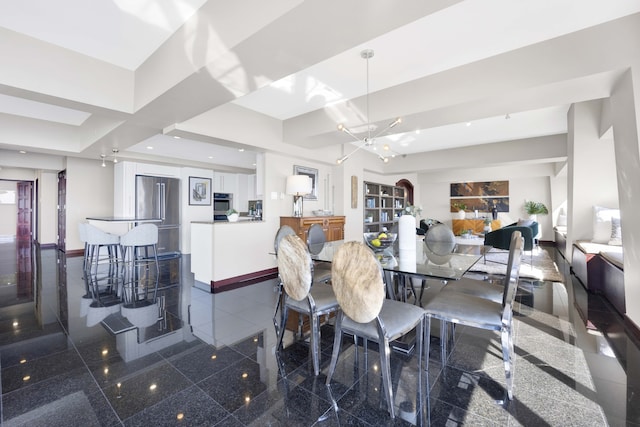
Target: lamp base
(297, 206)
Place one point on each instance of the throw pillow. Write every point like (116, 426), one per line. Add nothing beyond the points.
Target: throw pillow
(602, 223)
(616, 232)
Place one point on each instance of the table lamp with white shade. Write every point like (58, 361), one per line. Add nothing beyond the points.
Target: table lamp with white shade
(298, 186)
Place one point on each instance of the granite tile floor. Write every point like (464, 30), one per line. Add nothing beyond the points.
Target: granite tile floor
(575, 364)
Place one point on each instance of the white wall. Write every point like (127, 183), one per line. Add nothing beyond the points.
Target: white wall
(592, 170)
(8, 212)
(526, 182)
(47, 207)
(625, 106)
(89, 193)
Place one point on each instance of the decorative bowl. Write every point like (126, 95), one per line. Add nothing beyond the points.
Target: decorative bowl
(322, 212)
(375, 242)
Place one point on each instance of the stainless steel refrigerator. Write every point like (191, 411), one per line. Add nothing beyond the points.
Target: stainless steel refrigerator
(159, 197)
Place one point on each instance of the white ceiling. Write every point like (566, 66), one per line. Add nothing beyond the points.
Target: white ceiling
(126, 33)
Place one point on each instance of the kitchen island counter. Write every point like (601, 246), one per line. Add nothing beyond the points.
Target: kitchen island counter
(225, 254)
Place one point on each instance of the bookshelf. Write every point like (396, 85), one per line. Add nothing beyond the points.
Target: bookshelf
(383, 204)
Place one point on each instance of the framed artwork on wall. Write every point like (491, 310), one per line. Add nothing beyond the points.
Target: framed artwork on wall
(311, 173)
(199, 191)
(481, 196)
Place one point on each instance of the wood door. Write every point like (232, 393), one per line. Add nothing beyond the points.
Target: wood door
(25, 211)
(62, 210)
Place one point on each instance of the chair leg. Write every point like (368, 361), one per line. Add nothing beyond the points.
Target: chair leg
(337, 342)
(285, 313)
(507, 355)
(443, 342)
(278, 304)
(315, 343)
(385, 366)
(427, 340)
(420, 343)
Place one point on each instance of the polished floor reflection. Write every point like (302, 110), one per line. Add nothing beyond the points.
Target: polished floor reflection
(60, 368)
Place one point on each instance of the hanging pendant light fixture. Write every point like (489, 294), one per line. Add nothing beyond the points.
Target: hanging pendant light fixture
(368, 140)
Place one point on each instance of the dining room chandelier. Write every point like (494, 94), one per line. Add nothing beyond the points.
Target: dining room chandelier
(369, 140)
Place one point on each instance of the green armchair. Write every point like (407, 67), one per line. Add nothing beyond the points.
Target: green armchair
(501, 238)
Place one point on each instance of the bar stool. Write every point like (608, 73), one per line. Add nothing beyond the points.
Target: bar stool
(139, 250)
(102, 260)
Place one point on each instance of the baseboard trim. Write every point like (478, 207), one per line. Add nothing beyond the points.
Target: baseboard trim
(74, 253)
(236, 282)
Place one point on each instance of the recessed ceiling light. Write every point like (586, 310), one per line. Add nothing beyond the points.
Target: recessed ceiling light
(176, 137)
(241, 149)
(149, 147)
(468, 124)
(211, 157)
(22, 152)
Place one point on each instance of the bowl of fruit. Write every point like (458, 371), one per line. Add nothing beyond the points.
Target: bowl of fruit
(380, 240)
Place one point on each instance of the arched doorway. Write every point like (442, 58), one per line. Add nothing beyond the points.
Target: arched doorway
(408, 188)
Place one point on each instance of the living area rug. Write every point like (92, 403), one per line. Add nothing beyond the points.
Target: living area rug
(541, 268)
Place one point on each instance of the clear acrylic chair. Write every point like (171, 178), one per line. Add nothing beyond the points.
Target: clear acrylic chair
(468, 310)
(296, 271)
(366, 313)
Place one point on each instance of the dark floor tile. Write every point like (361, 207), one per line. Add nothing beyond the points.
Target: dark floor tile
(286, 405)
(18, 352)
(206, 361)
(476, 393)
(40, 369)
(46, 393)
(236, 385)
(190, 407)
(183, 347)
(114, 370)
(144, 389)
(263, 404)
(249, 346)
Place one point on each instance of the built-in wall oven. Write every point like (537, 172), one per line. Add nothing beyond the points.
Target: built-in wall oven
(222, 202)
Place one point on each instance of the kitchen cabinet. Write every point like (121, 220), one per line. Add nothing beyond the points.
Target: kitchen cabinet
(225, 182)
(383, 205)
(333, 226)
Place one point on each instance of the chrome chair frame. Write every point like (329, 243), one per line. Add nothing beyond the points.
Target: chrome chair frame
(393, 320)
(319, 300)
(315, 242)
(464, 309)
(284, 230)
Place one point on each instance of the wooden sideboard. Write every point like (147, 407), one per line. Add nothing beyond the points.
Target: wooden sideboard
(333, 226)
(475, 225)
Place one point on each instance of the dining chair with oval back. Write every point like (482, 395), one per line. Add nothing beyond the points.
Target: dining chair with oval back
(367, 314)
(295, 270)
(473, 311)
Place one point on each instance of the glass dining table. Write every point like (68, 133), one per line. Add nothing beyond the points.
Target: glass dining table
(442, 262)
